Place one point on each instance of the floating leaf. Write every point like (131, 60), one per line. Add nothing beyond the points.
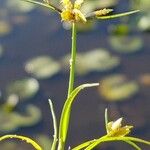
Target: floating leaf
(42, 67)
(7, 123)
(119, 29)
(95, 60)
(126, 44)
(117, 88)
(32, 116)
(12, 121)
(19, 6)
(144, 22)
(24, 89)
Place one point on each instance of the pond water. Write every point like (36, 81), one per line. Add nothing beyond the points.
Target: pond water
(40, 33)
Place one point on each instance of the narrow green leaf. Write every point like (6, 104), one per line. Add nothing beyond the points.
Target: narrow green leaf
(137, 140)
(65, 116)
(125, 139)
(23, 138)
(133, 145)
(43, 4)
(54, 124)
(118, 15)
(83, 145)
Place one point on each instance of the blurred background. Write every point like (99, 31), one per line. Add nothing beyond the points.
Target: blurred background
(34, 54)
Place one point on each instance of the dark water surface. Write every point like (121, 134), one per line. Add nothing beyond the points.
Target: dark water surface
(44, 35)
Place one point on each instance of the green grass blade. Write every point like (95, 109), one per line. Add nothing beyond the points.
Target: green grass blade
(42, 4)
(118, 15)
(137, 140)
(133, 145)
(23, 138)
(54, 124)
(65, 116)
(128, 140)
(83, 145)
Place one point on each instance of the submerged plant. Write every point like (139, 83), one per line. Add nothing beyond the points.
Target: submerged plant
(71, 12)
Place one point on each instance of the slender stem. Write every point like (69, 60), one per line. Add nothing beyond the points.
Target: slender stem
(72, 60)
(54, 124)
(61, 144)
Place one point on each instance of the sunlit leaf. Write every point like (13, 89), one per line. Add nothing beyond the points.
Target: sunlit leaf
(11, 121)
(19, 6)
(99, 60)
(126, 44)
(23, 138)
(65, 116)
(144, 22)
(118, 15)
(117, 88)
(41, 4)
(24, 88)
(42, 67)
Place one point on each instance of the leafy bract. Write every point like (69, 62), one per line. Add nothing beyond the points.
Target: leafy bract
(67, 109)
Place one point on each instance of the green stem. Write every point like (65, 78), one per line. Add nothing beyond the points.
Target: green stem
(61, 144)
(72, 60)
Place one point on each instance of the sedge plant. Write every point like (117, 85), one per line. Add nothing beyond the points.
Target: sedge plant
(71, 12)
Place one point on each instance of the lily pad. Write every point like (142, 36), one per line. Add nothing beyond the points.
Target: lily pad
(11, 121)
(99, 60)
(144, 22)
(126, 44)
(42, 67)
(24, 88)
(31, 117)
(19, 6)
(117, 88)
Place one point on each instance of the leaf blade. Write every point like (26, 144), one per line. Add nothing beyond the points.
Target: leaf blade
(64, 121)
(118, 15)
(23, 138)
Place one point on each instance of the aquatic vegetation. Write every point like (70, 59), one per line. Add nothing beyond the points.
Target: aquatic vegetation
(42, 67)
(126, 44)
(103, 61)
(71, 12)
(117, 88)
(143, 22)
(24, 88)
(18, 6)
(11, 121)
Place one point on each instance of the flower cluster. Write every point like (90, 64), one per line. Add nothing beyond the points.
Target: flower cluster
(115, 129)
